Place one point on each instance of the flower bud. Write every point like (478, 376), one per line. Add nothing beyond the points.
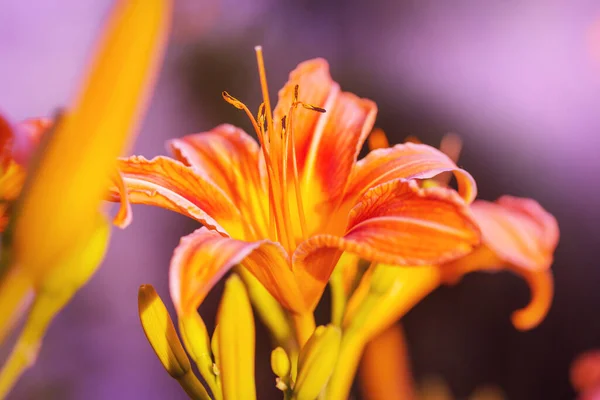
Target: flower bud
(236, 341)
(280, 362)
(317, 361)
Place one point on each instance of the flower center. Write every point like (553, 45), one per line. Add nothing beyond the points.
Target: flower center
(279, 153)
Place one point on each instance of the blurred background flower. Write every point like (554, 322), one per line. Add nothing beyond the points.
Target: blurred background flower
(519, 81)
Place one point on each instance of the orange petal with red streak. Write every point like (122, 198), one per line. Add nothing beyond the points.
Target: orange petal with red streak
(229, 157)
(336, 144)
(315, 88)
(406, 161)
(169, 184)
(394, 223)
(203, 257)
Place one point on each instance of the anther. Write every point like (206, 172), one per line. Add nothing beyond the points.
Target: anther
(283, 125)
(296, 88)
(313, 108)
(232, 100)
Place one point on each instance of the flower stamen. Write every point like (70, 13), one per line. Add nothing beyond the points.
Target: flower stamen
(274, 150)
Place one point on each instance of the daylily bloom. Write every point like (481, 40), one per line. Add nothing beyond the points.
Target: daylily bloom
(56, 235)
(287, 207)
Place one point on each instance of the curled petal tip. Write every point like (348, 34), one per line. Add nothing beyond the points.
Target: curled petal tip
(124, 215)
(541, 285)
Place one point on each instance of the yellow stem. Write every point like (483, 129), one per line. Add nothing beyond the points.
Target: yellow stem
(305, 326)
(15, 290)
(338, 298)
(25, 351)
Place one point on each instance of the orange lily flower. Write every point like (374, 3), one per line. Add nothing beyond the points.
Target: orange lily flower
(288, 208)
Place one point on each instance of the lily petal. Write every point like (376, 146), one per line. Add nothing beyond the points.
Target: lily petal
(229, 157)
(518, 230)
(394, 223)
(167, 183)
(334, 150)
(204, 256)
(326, 144)
(28, 134)
(406, 161)
(520, 235)
(6, 136)
(315, 87)
(124, 215)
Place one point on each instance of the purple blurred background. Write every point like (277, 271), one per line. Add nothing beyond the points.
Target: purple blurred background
(518, 80)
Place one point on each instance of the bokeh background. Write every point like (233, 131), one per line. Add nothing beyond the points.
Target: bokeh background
(518, 80)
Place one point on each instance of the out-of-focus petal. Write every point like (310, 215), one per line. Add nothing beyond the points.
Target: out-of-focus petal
(228, 156)
(518, 230)
(585, 372)
(169, 184)
(520, 235)
(28, 134)
(406, 161)
(6, 137)
(385, 371)
(203, 257)
(394, 223)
